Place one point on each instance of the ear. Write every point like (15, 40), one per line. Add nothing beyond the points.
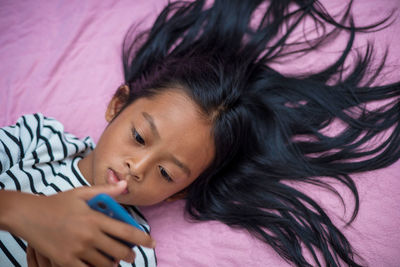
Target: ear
(180, 195)
(118, 101)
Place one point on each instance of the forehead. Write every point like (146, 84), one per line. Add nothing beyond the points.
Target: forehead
(183, 130)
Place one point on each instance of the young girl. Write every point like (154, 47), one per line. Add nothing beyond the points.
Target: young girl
(203, 117)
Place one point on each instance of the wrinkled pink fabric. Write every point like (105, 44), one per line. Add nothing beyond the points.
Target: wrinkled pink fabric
(62, 58)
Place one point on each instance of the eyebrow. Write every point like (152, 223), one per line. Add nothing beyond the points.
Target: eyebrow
(153, 127)
(155, 132)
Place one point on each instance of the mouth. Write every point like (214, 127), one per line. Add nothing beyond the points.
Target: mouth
(113, 178)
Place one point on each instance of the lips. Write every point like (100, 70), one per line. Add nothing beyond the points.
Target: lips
(113, 178)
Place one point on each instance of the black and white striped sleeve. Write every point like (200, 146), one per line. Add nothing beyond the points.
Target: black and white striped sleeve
(16, 139)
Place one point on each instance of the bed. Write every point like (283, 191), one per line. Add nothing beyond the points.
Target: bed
(62, 58)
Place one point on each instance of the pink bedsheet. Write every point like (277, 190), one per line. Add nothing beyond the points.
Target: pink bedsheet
(62, 58)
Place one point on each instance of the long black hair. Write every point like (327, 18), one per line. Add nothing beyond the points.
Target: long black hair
(269, 128)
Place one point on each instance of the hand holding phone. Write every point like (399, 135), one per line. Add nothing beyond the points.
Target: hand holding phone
(108, 206)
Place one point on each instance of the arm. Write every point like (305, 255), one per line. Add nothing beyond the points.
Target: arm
(64, 229)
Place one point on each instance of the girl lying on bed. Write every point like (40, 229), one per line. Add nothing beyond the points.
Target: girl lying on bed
(202, 116)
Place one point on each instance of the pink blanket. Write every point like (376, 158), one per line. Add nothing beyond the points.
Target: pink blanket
(62, 58)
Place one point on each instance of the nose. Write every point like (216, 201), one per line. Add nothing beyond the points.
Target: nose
(137, 168)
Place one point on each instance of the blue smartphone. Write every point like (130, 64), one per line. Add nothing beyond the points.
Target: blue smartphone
(108, 206)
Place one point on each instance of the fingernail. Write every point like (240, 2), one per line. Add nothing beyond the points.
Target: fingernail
(121, 183)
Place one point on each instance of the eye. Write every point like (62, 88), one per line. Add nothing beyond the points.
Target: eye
(137, 137)
(164, 174)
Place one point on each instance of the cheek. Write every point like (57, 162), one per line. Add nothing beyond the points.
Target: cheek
(148, 198)
(153, 192)
(112, 148)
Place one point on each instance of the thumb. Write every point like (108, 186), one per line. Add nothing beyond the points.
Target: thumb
(109, 189)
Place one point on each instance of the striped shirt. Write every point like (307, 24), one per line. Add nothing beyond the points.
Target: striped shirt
(38, 157)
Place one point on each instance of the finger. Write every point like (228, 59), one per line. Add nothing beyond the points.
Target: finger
(115, 248)
(31, 257)
(125, 232)
(95, 257)
(53, 264)
(130, 258)
(116, 189)
(41, 260)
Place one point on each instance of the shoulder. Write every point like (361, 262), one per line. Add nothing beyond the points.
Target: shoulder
(17, 138)
(31, 130)
(43, 138)
(30, 125)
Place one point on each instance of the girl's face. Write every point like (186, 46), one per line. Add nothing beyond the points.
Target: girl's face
(158, 145)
